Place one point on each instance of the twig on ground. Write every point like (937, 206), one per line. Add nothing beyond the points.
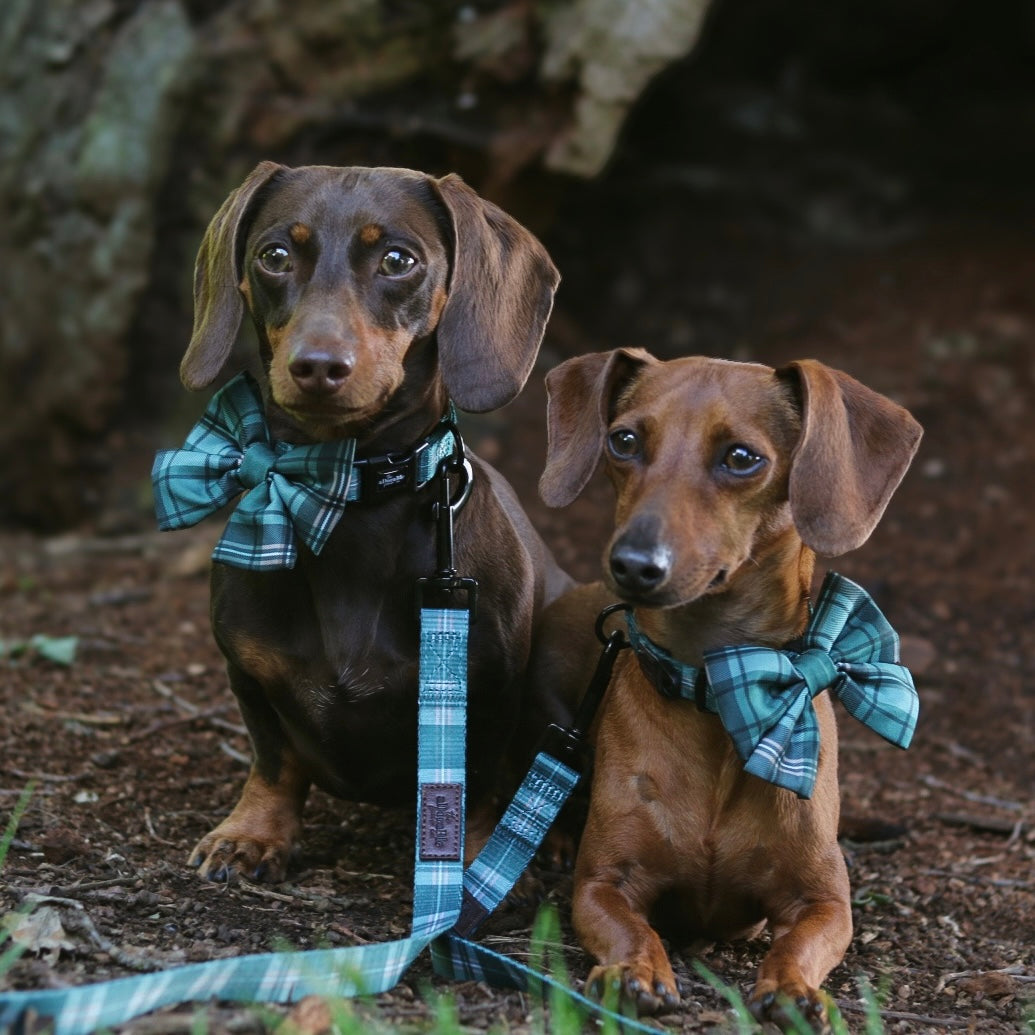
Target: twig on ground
(902, 1015)
(83, 718)
(149, 823)
(237, 756)
(349, 933)
(1016, 971)
(982, 799)
(180, 720)
(69, 890)
(21, 774)
(259, 892)
(235, 1021)
(995, 882)
(987, 824)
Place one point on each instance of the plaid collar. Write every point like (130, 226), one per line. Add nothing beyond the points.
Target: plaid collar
(764, 696)
(286, 492)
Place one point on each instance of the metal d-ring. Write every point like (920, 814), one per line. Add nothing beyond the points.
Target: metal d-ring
(605, 615)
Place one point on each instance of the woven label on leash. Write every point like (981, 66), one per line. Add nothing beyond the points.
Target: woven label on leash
(441, 812)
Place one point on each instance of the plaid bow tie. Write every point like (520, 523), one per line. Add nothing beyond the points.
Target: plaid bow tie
(764, 696)
(288, 490)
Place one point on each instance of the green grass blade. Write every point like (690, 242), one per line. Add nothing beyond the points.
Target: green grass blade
(745, 1022)
(15, 819)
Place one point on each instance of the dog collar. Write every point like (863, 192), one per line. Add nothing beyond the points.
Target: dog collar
(375, 477)
(286, 491)
(764, 696)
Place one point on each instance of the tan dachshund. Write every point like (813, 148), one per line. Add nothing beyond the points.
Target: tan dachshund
(729, 478)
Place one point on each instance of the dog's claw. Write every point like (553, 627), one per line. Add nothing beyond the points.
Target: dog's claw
(772, 1008)
(668, 999)
(617, 982)
(763, 1006)
(219, 859)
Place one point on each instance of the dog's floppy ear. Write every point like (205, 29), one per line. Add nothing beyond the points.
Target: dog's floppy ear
(579, 396)
(218, 306)
(500, 296)
(855, 448)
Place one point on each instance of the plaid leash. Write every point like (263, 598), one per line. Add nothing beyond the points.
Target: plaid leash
(764, 696)
(440, 886)
(355, 970)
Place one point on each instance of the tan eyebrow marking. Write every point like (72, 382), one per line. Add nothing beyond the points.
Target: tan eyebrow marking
(300, 233)
(371, 233)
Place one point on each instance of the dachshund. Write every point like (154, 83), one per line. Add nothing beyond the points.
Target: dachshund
(729, 478)
(380, 297)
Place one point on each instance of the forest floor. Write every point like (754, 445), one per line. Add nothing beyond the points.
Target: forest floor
(136, 749)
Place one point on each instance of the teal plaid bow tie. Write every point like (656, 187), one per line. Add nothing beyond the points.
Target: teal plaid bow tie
(764, 696)
(288, 490)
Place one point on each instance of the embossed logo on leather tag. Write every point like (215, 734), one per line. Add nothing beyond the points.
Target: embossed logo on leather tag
(440, 805)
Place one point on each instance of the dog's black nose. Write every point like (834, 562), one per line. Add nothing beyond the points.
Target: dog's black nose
(318, 372)
(637, 568)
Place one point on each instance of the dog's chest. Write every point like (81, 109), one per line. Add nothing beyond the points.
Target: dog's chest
(700, 827)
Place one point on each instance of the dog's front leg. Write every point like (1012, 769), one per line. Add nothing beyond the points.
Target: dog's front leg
(610, 918)
(799, 959)
(257, 838)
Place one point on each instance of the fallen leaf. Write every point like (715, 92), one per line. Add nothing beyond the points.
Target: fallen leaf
(40, 931)
(309, 1016)
(993, 985)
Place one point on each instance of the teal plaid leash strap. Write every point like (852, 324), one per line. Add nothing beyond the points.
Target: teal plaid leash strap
(440, 885)
(285, 977)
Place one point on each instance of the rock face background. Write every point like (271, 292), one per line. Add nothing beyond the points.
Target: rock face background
(123, 124)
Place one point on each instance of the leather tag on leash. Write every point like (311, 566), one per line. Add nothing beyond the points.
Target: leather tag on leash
(441, 812)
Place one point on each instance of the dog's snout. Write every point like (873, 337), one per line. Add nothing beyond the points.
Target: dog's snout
(638, 568)
(319, 371)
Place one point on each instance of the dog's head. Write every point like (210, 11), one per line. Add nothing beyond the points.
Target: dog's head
(360, 278)
(712, 459)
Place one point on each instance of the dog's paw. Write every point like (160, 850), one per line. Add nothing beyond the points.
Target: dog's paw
(633, 984)
(219, 857)
(785, 1008)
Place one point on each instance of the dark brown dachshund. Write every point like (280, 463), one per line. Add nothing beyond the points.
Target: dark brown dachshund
(728, 477)
(377, 295)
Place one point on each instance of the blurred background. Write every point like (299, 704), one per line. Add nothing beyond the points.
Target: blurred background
(710, 176)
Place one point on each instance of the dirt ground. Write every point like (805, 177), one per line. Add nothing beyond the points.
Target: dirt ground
(136, 749)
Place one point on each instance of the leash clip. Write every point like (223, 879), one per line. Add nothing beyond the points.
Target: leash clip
(569, 744)
(450, 589)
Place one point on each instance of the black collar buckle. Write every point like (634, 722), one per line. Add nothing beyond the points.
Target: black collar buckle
(383, 475)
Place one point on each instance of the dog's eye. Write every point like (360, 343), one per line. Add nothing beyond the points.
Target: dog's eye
(739, 459)
(396, 263)
(275, 258)
(624, 444)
